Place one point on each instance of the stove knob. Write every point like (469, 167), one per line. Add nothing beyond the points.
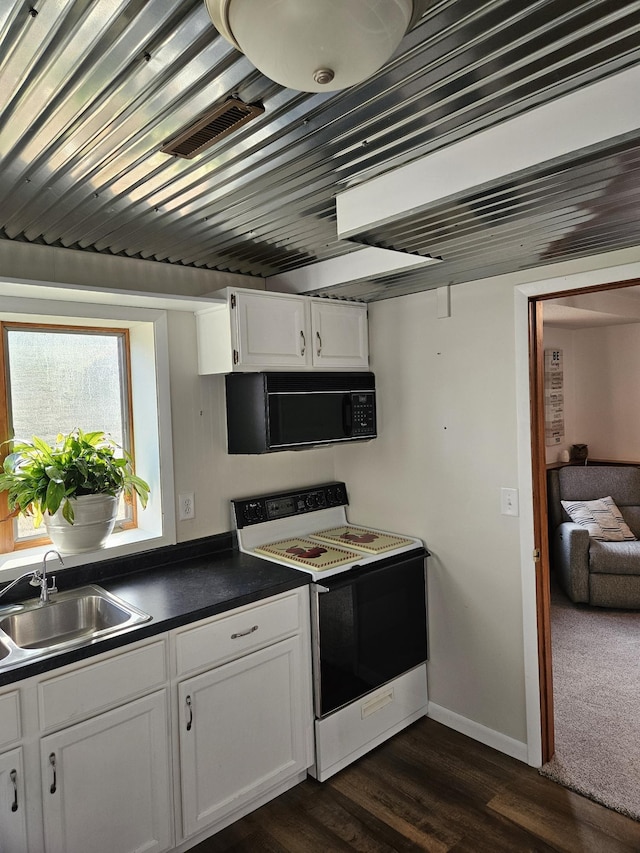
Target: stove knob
(338, 495)
(311, 501)
(253, 512)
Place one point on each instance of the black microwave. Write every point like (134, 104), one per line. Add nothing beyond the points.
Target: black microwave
(290, 411)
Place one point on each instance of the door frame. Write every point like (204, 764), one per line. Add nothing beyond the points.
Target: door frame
(535, 573)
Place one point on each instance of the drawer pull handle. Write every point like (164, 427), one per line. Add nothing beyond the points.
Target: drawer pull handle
(190, 707)
(244, 633)
(14, 781)
(54, 784)
(319, 350)
(376, 703)
(303, 348)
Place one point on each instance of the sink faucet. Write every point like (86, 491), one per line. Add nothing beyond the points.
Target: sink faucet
(33, 581)
(40, 578)
(37, 578)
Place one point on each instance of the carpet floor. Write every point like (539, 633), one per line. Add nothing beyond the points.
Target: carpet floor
(596, 691)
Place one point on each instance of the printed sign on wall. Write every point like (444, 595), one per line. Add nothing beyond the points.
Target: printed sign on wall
(553, 397)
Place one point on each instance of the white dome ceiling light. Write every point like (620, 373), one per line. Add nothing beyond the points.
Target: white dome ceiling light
(316, 45)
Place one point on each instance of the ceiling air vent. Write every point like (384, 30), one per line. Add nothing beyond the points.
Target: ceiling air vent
(211, 127)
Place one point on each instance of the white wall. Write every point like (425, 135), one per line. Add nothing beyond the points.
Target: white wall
(601, 390)
(69, 266)
(607, 391)
(447, 444)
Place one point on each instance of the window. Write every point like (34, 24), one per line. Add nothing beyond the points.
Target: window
(58, 378)
(135, 328)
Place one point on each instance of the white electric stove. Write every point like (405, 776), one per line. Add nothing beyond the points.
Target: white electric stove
(368, 615)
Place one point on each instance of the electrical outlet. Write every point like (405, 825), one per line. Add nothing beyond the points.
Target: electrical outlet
(186, 506)
(509, 502)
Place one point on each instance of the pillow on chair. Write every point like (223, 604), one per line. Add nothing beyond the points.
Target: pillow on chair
(601, 517)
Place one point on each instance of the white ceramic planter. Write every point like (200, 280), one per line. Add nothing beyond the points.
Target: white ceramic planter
(94, 518)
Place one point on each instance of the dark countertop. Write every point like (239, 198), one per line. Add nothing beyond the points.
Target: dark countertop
(175, 586)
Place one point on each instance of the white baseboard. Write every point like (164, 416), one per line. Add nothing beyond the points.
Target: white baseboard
(496, 740)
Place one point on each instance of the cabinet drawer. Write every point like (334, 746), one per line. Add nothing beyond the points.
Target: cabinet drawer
(9, 718)
(226, 637)
(85, 691)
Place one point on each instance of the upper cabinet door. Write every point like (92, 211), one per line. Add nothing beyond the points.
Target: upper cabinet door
(271, 331)
(340, 335)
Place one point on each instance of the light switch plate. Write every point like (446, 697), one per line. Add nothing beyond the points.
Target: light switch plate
(509, 504)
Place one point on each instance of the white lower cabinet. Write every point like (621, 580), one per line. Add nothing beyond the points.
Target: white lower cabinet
(13, 824)
(105, 782)
(242, 733)
(92, 761)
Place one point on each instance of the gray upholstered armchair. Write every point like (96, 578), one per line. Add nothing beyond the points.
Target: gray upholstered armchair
(606, 574)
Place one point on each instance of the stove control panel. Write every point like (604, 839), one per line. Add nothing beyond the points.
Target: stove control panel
(270, 507)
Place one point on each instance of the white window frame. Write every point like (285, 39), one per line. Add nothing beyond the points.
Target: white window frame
(150, 390)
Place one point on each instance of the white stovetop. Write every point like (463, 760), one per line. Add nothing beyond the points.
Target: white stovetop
(304, 526)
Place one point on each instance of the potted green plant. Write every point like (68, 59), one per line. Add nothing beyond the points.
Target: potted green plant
(73, 485)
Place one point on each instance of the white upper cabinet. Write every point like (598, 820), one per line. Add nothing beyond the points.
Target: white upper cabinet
(340, 335)
(271, 331)
(255, 330)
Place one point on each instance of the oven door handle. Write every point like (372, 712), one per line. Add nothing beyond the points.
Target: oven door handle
(320, 589)
(358, 572)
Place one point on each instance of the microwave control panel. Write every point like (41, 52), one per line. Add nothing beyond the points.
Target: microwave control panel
(270, 507)
(363, 413)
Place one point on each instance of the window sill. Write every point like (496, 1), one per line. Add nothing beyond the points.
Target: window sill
(119, 544)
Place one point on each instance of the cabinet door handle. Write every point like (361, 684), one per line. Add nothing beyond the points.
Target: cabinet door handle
(244, 633)
(190, 707)
(14, 781)
(303, 348)
(319, 350)
(54, 783)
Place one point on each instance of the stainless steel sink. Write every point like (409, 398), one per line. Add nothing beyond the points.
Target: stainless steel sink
(69, 619)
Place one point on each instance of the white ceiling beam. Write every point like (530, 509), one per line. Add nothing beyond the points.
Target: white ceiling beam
(601, 111)
(360, 265)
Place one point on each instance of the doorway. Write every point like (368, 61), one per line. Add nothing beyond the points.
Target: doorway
(575, 299)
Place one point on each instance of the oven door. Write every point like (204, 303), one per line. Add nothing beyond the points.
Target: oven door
(369, 626)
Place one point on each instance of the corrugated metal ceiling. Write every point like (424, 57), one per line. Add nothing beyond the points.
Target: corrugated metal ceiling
(91, 89)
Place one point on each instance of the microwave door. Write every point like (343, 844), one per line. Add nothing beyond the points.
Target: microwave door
(309, 418)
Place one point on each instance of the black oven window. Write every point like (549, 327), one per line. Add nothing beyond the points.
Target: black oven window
(297, 418)
(371, 630)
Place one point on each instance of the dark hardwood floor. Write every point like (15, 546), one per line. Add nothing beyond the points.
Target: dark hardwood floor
(431, 789)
